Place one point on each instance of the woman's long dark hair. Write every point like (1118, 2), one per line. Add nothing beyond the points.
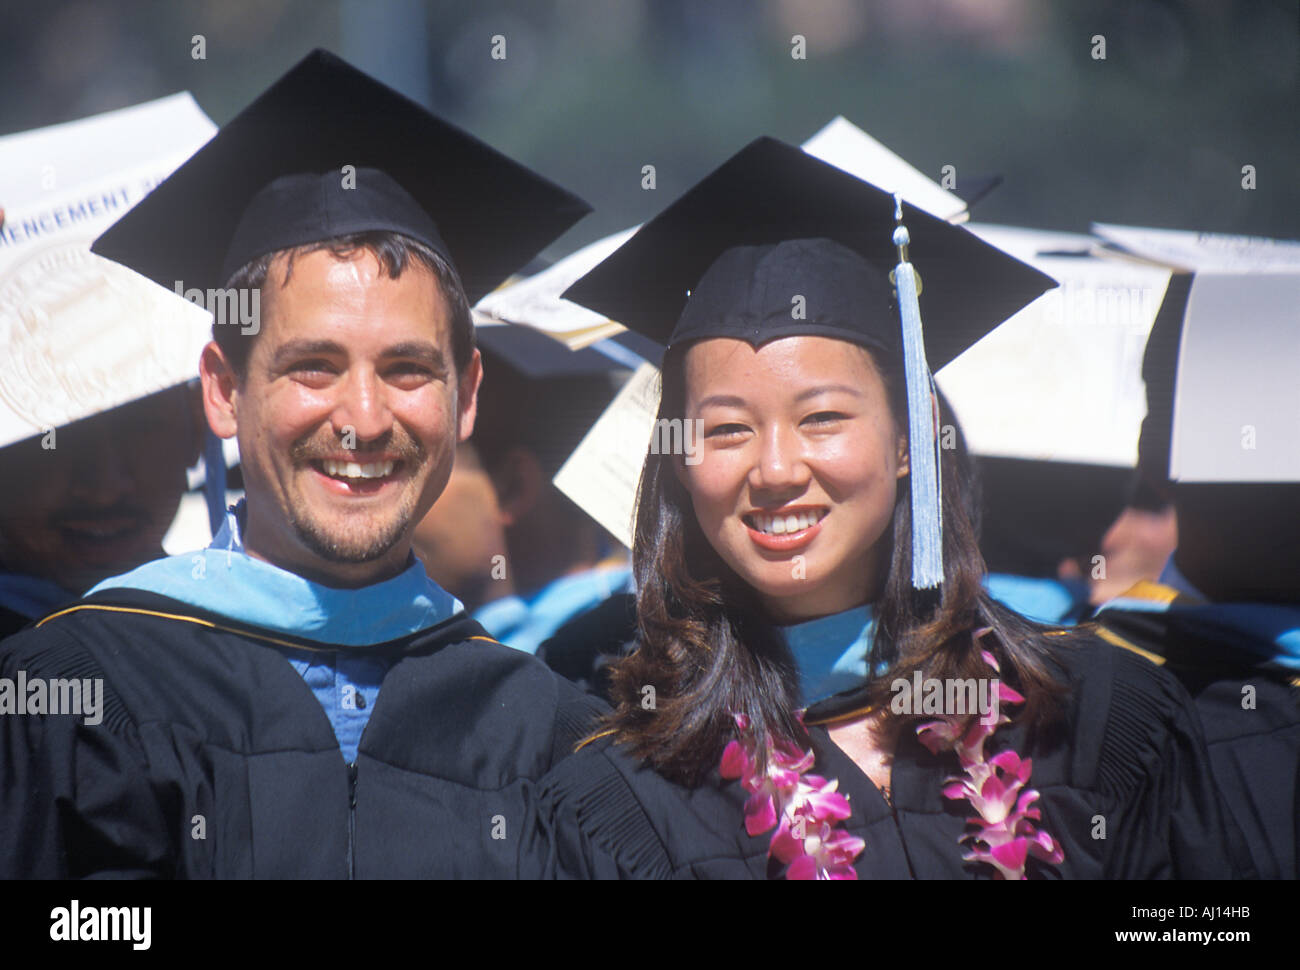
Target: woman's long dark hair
(708, 649)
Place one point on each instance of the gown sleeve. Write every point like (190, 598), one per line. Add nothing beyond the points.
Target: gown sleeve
(594, 823)
(75, 798)
(1170, 821)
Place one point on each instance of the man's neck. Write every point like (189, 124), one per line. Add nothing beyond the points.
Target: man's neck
(335, 575)
(292, 557)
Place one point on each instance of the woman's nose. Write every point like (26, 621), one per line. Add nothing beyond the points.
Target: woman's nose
(780, 461)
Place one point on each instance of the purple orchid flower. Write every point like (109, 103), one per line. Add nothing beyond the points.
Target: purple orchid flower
(803, 808)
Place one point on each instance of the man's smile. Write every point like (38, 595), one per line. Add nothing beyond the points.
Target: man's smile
(359, 475)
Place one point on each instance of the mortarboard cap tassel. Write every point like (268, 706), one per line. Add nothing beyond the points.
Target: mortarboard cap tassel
(923, 456)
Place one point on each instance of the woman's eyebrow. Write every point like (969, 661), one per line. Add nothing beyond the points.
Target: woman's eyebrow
(722, 401)
(734, 401)
(828, 389)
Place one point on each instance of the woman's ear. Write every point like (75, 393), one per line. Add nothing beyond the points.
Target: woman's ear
(902, 456)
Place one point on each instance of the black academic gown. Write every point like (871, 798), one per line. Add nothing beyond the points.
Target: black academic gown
(11, 622)
(584, 647)
(1250, 715)
(1132, 759)
(215, 760)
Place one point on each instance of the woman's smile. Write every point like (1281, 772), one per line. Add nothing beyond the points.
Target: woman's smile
(785, 529)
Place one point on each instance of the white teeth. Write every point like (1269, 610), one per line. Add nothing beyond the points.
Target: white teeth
(350, 469)
(778, 525)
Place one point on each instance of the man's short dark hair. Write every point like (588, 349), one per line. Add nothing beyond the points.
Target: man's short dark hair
(394, 252)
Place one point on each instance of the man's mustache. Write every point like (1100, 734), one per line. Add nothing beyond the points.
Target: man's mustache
(317, 448)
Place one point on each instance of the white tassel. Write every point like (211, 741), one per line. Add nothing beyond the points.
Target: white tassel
(927, 522)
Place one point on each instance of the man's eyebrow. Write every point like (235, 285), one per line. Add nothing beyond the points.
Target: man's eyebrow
(419, 350)
(306, 348)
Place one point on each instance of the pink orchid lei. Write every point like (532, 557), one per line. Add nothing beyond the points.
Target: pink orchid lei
(1005, 834)
(804, 808)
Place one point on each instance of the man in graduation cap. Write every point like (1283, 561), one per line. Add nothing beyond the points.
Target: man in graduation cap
(1224, 616)
(299, 699)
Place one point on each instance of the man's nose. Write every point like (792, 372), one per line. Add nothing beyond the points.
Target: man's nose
(362, 407)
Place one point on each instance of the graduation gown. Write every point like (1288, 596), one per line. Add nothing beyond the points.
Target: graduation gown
(11, 621)
(1227, 656)
(213, 758)
(24, 598)
(584, 648)
(1131, 759)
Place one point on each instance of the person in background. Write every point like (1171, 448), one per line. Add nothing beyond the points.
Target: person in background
(1224, 614)
(96, 505)
(462, 539)
(91, 498)
(537, 402)
(1043, 523)
(1137, 545)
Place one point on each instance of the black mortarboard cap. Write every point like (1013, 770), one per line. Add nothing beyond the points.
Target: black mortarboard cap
(273, 177)
(538, 393)
(773, 223)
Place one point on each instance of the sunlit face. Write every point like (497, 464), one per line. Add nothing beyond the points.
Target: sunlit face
(96, 498)
(348, 417)
(798, 468)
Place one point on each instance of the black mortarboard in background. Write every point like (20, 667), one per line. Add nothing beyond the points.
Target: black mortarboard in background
(538, 393)
(414, 174)
(532, 354)
(1159, 368)
(824, 235)
(1036, 513)
(1223, 349)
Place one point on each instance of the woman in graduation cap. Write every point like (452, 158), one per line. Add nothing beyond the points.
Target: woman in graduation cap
(821, 688)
